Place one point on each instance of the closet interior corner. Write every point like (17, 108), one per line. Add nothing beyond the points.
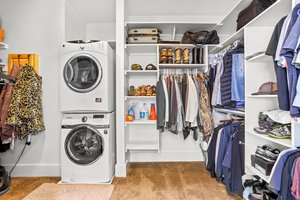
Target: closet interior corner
(233, 72)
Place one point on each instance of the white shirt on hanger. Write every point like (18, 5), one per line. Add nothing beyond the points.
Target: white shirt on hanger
(166, 101)
(192, 103)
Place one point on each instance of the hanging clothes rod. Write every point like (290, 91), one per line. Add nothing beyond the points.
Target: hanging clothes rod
(230, 111)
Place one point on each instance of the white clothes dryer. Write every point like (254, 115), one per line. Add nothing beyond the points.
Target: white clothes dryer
(88, 148)
(87, 80)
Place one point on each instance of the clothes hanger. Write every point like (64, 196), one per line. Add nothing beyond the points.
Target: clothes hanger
(6, 77)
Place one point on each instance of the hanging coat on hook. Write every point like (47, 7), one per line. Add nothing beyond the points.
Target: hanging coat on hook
(5, 101)
(25, 112)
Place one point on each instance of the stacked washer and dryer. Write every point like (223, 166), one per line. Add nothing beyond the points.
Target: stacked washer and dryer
(87, 98)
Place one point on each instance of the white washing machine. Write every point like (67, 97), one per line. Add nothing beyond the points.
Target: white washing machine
(87, 77)
(88, 148)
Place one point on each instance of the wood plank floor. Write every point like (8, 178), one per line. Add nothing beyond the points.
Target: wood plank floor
(145, 181)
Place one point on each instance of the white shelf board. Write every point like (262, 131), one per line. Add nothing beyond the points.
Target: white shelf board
(181, 66)
(230, 111)
(2, 64)
(185, 45)
(236, 36)
(263, 96)
(3, 45)
(141, 122)
(142, 145)
(260, 58)
(140, 97)
(141, 72)
(283, 142)
(258, 173)
(167, 26)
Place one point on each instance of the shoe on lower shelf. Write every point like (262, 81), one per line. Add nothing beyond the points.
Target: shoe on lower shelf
(267, 153)
(281, 132)
(260, 130)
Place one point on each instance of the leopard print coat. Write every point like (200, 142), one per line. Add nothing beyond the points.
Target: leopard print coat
(25, 111)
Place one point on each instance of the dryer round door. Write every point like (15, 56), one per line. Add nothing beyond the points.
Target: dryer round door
(82, 73)
(84, 145)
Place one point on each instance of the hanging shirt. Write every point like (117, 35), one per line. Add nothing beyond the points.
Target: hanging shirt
(160, 103)
(216, 89)
(226, 79)
(7, 131)
(192, 103)
(295, 189)
(276, 173)
(238, 74)
(179, 108)
(173, 111)
(273, 50)
(25, 112)
(286, 182)
(217, 147)
(204, 107)
(287, 52)
(166, 101)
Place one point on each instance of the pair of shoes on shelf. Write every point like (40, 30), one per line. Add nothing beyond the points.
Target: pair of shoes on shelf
(281, 132)
(182, 56)
(267, 153)
(198, 56)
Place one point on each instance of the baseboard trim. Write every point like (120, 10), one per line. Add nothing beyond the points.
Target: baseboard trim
(26, 170)
(121, 170)
(136, 156)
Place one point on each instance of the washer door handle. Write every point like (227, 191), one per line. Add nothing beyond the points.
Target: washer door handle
(72, 72)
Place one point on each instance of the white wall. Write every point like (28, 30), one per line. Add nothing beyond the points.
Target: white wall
(37, 26)
(75, 24)
(101, 31)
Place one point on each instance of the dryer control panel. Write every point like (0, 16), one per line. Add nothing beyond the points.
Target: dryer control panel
(90, 118)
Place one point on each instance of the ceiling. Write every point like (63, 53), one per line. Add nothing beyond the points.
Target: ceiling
(103, 11)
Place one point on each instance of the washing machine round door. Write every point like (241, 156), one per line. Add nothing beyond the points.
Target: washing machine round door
(82, 73)
(84, 145)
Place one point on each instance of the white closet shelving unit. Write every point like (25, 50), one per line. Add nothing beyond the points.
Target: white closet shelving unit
(3, 46)
(258, 70)
(149, 138)
(139, 140)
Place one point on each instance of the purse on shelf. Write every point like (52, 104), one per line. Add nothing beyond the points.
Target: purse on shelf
(255, 8)
(200, 37)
